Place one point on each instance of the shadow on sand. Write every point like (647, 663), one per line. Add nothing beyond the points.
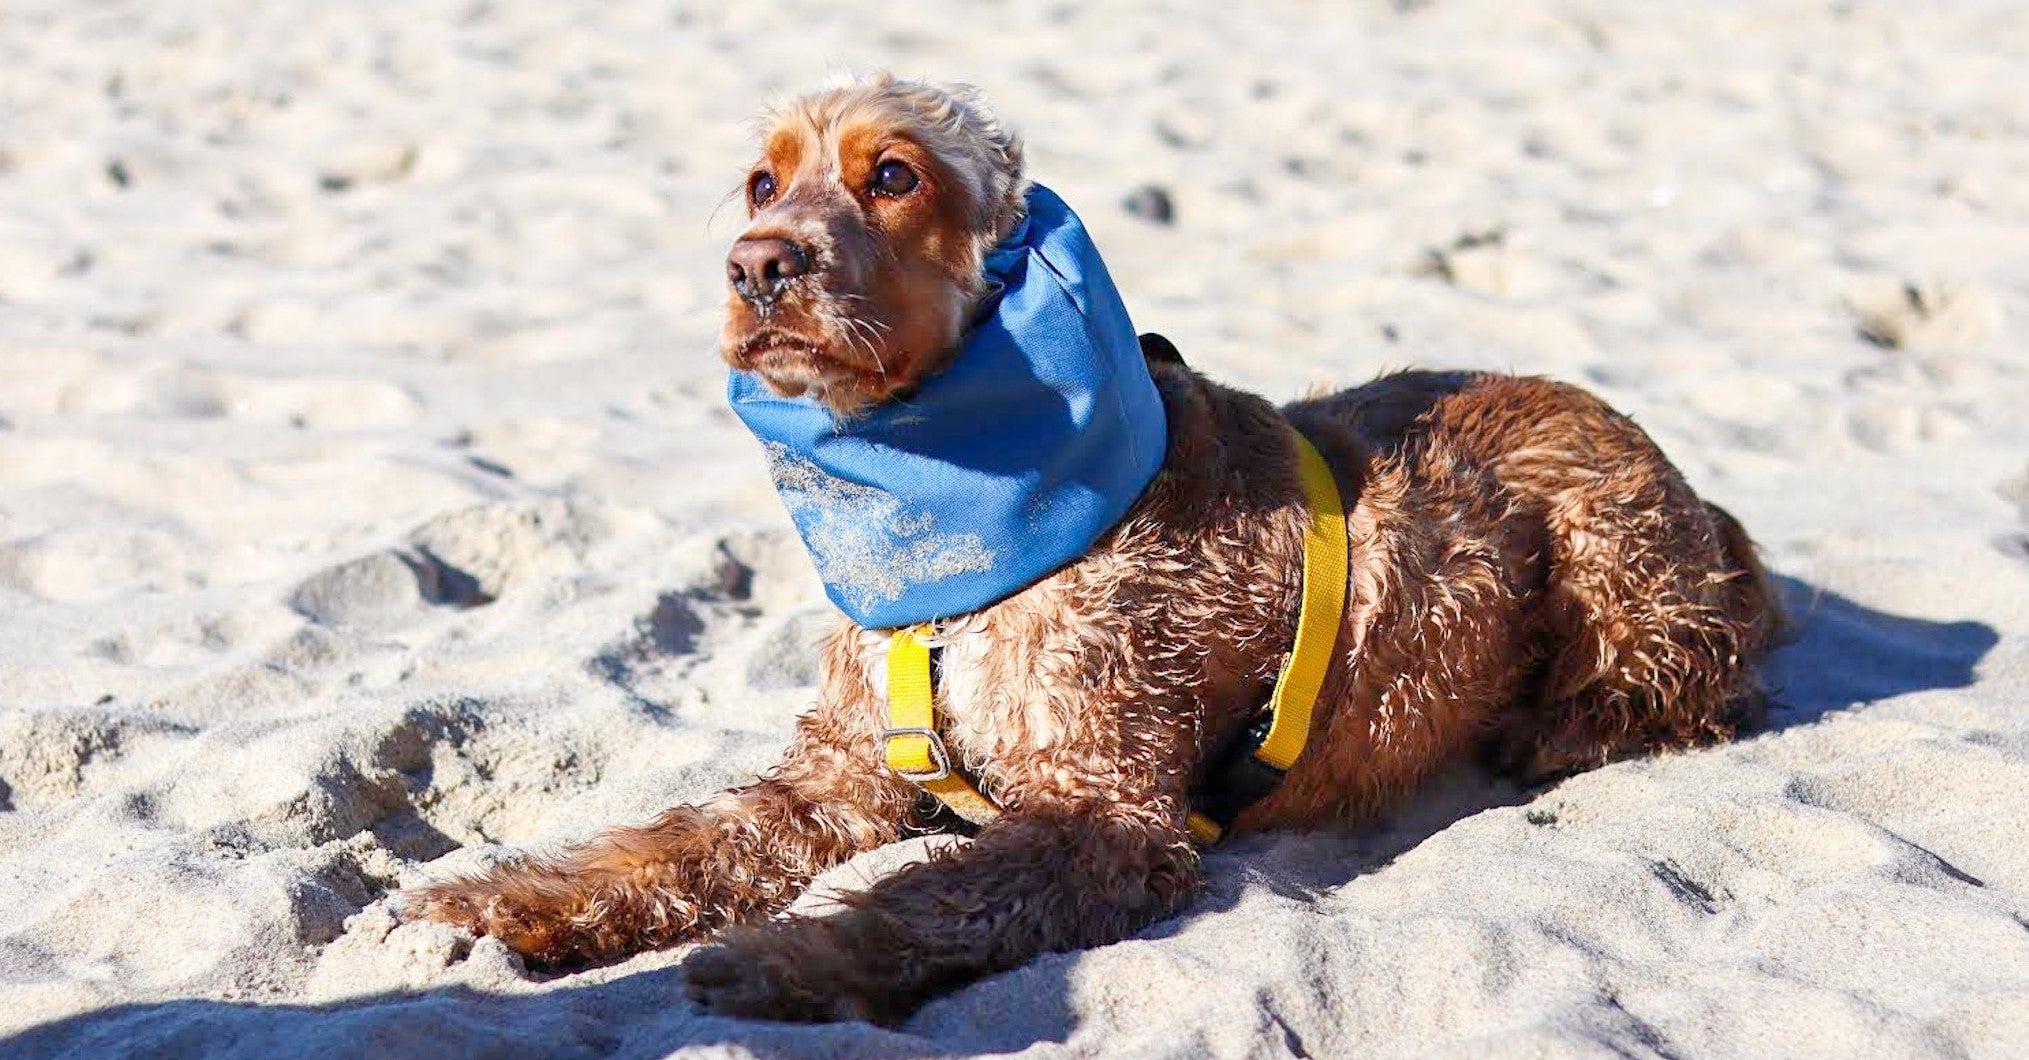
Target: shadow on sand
(1847, 655)
(1844, 656)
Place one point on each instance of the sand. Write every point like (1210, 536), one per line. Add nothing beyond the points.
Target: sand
(368, 505)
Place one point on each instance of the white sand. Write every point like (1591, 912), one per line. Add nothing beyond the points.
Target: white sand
(323, 324)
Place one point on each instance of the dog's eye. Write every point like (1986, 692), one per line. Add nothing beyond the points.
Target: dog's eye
(761, 188)
(894, 178)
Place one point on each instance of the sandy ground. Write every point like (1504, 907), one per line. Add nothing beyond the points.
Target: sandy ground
(367, 498)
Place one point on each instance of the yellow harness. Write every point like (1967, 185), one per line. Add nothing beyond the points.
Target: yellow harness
(916, 752)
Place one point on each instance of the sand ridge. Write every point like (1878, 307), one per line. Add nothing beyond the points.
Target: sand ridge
(369, 505)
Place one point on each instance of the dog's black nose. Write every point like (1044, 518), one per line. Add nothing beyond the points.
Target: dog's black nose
(758, 269)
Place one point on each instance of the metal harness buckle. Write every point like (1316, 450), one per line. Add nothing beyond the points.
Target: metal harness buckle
(938, 756)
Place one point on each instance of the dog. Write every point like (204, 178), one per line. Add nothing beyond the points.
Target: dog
(1528, 579)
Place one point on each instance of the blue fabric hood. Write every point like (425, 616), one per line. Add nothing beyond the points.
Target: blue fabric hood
(996, 472)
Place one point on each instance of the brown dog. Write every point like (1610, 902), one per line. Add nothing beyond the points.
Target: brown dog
(1529, 575)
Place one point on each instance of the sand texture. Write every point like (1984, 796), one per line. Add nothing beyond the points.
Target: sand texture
(369, 505)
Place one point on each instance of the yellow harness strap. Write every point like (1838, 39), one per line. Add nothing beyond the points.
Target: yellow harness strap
(1203, 829)
(916, 752)
(1318, 620)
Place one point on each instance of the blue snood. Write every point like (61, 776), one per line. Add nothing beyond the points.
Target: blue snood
(997, 471)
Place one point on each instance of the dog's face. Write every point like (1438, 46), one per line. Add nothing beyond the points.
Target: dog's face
(872, 207)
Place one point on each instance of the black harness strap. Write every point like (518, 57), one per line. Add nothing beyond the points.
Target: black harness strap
(1236, 779)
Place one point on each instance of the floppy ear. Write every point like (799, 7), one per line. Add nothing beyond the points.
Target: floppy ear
(1159, 350)
(1004, 186)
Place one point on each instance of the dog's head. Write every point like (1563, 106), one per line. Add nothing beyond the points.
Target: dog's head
(872, 207)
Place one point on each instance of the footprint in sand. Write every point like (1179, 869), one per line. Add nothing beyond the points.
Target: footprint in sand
(672, 630)
(48, 756)
(466, 558)
(1930, 317)
(383, 591)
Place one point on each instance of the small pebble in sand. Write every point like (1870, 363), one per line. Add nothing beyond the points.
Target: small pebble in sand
(1151, 202)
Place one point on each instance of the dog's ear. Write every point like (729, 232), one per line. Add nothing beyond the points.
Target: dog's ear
(1004, 188)
(1158, 350)
(986, 124)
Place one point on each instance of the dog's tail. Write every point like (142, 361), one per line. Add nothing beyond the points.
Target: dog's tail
(1760, 602)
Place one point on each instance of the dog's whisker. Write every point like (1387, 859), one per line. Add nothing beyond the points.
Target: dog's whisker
(849, 328)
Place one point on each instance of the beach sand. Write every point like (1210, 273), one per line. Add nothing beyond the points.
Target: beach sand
(369, 506)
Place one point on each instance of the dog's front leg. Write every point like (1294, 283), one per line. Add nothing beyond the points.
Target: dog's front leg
(1037, 881)
(743, 853)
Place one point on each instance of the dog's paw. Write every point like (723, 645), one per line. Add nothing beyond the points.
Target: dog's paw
(441, 903)
(766, 975)
(542, 938)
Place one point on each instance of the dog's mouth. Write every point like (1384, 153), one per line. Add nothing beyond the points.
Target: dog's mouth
(770, 352)
(795, 364)
(768, 347)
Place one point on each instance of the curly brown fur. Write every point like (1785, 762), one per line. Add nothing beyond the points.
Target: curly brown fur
(1528, 573)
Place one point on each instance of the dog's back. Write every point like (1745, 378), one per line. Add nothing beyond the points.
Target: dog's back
(1642, 609)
